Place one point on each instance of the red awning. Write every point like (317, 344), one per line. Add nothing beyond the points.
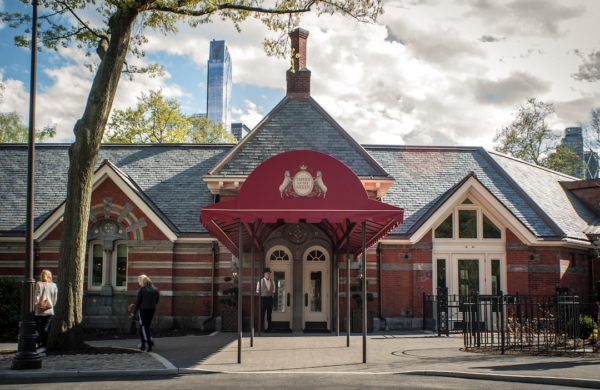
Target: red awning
(302, 186)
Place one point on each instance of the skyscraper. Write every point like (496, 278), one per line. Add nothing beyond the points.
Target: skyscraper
(574, 139)
(219, 83)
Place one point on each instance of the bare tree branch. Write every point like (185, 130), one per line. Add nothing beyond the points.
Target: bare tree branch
(231, 6)
(85, 26)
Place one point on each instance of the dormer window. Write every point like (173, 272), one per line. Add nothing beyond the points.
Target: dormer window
(467, 222)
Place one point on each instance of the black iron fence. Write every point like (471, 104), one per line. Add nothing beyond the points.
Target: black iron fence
(559, 322)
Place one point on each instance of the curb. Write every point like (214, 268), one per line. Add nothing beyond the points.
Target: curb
(587, 383)
(86, 373)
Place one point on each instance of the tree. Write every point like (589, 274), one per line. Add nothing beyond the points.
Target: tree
(63, 25)
(206, 131)
(528, 137)
(13, 130)
(157, 119)
(565, 160)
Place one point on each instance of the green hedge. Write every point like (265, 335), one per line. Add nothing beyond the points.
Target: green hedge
(10, 304)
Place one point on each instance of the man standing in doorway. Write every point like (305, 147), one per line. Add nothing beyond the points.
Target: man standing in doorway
(266, 288)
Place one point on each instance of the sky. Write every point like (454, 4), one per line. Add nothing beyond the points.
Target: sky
(430, 72)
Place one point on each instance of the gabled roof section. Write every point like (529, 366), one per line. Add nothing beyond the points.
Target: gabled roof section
(109, 171)
(476, 190)
(170, 175)
(297, 124)
(425, 176)
(544, 187)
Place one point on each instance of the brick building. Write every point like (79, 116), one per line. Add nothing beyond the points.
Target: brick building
(473, 220)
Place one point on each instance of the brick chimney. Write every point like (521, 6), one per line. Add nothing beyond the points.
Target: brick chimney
(298, 78)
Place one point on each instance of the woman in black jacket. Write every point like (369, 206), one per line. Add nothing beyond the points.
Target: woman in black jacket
(147, 298)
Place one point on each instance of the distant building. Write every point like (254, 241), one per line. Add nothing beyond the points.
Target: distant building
(219, 82)
(574, 139)
(239, 130)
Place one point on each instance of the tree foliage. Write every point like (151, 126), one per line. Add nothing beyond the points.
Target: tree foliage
(62, 23)
(157, 119)
(565, 160)
(13, 130)
(528, 137)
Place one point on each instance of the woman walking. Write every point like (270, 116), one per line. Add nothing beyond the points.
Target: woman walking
(45, 300)
(147, 298)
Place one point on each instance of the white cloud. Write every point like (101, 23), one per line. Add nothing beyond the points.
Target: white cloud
(249, 115)
(440, 72)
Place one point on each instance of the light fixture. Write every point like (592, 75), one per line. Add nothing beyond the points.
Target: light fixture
(360, 270)
(234, 267)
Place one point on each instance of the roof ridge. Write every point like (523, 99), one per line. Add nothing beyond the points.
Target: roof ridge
(531, 164)
(249, 136)
(358, 147)
(422, 147)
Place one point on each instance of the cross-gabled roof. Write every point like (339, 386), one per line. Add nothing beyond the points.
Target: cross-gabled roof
(297, 123)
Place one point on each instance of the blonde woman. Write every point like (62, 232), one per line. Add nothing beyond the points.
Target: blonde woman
(147, 298)
(45, 300)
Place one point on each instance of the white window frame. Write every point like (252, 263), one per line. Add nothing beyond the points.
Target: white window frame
(91, 287)
(480, 212)
(114, 266)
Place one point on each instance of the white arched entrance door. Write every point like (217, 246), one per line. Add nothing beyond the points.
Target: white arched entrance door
(316, 289)
(279, 260)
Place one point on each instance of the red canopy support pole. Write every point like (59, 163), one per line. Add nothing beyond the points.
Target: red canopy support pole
(252, 291)
(240, 292)
(348, 287)
(336, 280)
(364, 288)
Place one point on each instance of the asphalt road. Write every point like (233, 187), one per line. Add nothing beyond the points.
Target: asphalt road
(279, 382)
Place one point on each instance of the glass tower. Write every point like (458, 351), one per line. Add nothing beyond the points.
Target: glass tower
(219, 84)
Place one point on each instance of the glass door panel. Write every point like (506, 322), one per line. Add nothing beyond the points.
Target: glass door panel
(496, 286)
(282, 298)
(279, 304)
(468, 277)
(316, 281)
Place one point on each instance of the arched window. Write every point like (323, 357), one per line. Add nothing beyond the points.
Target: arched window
(279, 255)
(108, 255)
(316, 255)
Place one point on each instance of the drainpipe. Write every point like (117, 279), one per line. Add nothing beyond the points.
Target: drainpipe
(381, 286)
(215, 251)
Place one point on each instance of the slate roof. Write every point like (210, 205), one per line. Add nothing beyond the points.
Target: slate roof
(169, 175)
(425, 174)
(543, 186)
(292, 125)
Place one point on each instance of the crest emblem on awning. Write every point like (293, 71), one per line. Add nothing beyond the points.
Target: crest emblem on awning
(303, 184)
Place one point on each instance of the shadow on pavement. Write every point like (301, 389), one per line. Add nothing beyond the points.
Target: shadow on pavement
(538, 366)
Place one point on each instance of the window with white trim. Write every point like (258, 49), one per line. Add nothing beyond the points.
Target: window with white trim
(467, 221)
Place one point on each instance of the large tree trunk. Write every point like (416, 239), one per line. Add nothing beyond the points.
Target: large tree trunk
(67, 332)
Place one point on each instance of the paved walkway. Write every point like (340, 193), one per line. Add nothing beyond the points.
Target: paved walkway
(408, 353)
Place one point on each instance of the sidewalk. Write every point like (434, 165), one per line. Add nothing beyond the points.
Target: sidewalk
(407, 353)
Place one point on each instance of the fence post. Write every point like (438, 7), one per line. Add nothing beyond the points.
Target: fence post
(501, 306)
(477, 319)
(442, 311)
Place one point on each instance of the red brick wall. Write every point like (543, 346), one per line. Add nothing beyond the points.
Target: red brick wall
(517, 262)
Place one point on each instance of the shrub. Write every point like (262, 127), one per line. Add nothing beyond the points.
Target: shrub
(594, 336)
(587, 325)
(10, 304)
(230, 294)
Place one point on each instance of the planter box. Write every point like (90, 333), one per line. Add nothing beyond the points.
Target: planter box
(229, 320)
(357, 321)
